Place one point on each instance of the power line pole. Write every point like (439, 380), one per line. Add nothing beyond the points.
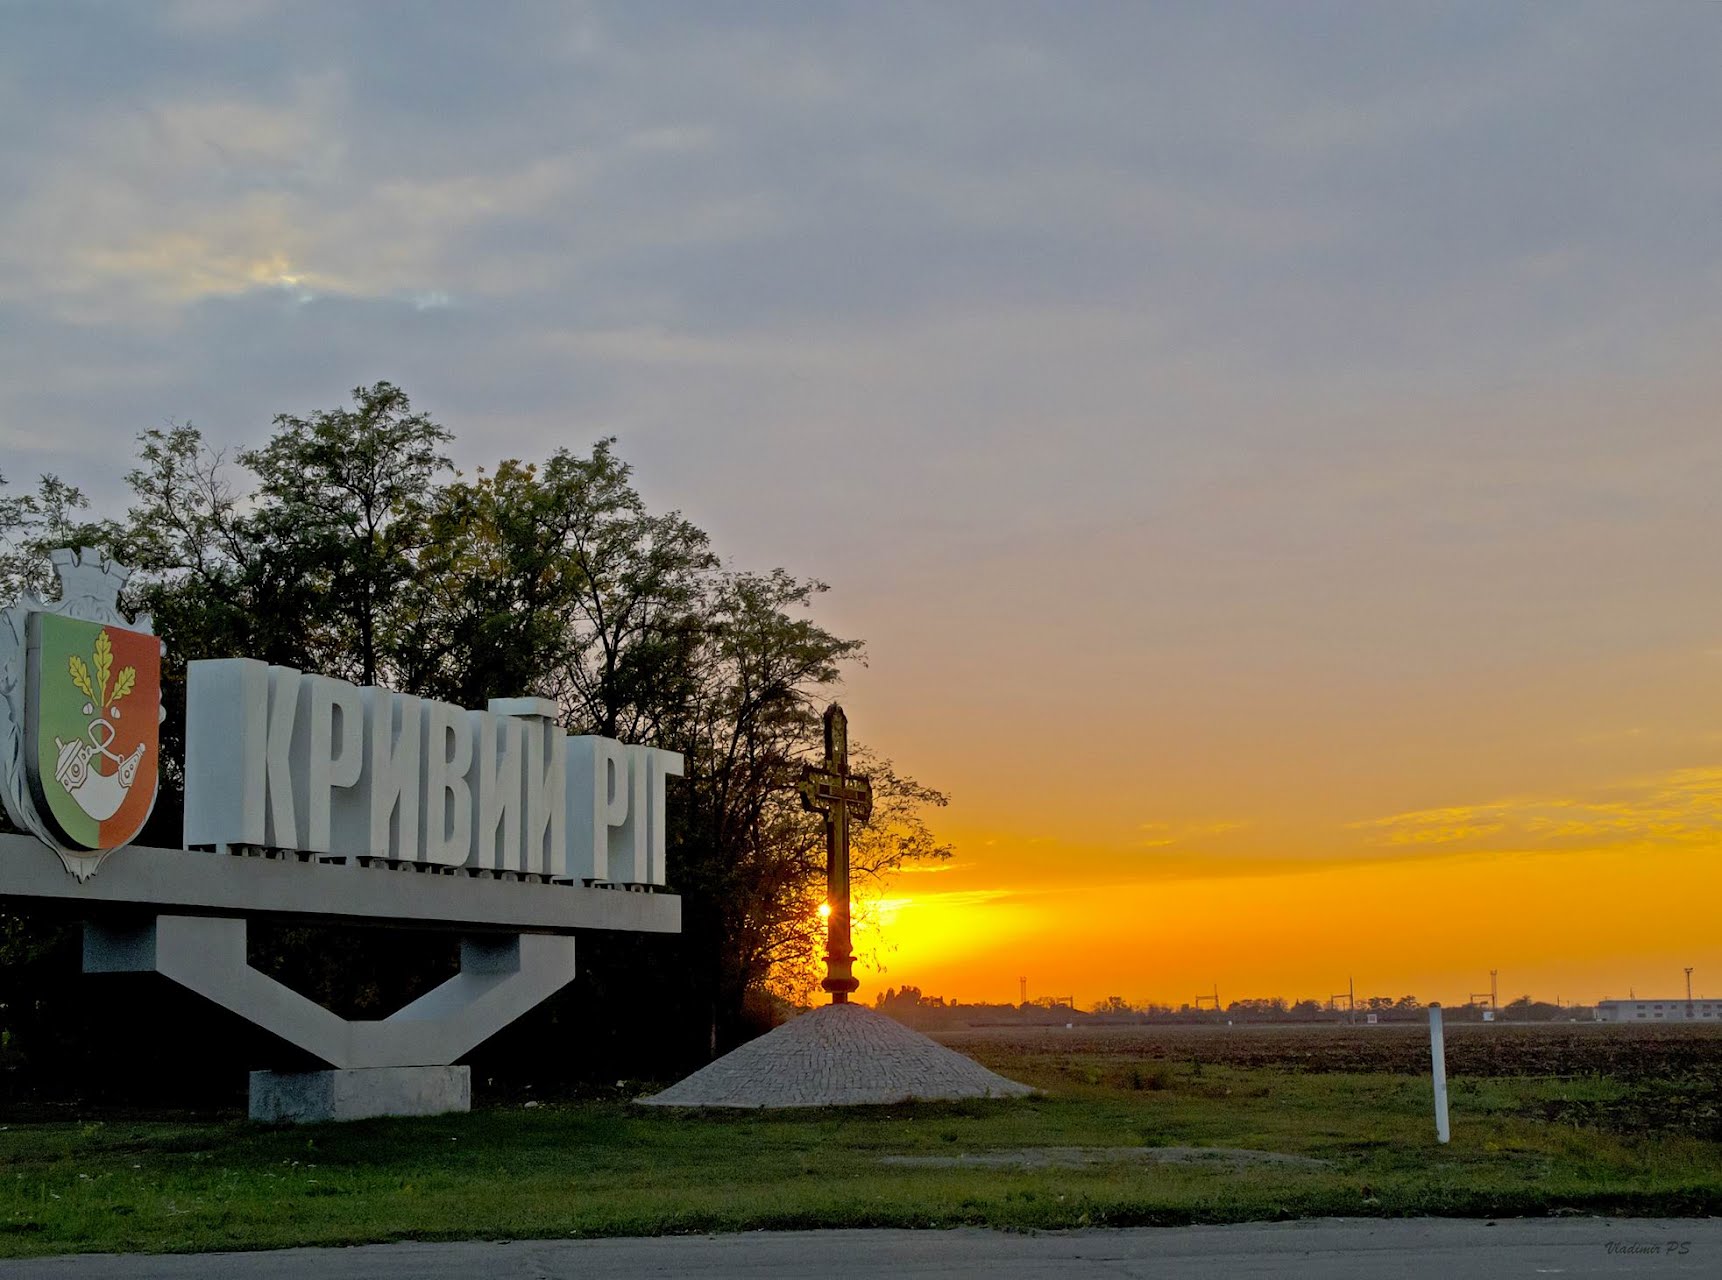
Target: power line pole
(1023, 983)
(1350, 994)
(1689, 992)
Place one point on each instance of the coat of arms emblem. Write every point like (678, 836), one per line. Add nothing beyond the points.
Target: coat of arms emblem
(80, 714)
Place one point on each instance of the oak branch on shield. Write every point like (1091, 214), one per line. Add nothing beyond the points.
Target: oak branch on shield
(841, 796)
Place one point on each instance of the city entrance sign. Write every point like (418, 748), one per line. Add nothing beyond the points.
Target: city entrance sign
(305, 798)
(278, 759)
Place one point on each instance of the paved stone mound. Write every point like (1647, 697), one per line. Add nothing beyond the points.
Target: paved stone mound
(840, 1055)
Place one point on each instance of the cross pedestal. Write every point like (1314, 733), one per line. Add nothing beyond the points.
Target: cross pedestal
(833, 791)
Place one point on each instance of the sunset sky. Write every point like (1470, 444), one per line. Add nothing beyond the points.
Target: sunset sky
(1272, 451)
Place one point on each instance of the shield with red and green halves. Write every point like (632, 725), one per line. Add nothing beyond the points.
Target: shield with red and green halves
(92, 744)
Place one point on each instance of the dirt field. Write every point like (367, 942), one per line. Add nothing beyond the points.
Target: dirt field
(1660, 1079)
(1626, 1051)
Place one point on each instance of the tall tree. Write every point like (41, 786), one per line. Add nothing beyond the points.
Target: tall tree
(342, 504)
(641, 584)
(555, 579)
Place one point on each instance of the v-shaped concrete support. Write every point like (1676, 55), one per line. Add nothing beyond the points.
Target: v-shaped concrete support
(501, 977)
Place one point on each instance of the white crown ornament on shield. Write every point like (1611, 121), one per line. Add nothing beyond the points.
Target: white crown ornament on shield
(90, 585)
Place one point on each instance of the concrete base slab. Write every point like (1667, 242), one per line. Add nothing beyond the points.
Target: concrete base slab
(303, 1097)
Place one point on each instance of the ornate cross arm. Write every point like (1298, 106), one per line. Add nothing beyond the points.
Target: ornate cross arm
(821, 791)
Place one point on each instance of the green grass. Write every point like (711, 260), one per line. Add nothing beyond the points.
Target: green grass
(608, 1168)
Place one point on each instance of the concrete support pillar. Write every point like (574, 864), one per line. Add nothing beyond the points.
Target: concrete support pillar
(399, 1065)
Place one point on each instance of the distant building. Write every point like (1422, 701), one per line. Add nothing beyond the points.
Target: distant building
(1652, 1010)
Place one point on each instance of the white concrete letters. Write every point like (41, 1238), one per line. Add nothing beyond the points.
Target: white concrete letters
(280, 786)
(615, 810)
(544, 847)
(448, 795)
(395, 726)
(225, 776)
(277, 759)
(336, 761)
(659, 765)
(496, 843)
(597, 802)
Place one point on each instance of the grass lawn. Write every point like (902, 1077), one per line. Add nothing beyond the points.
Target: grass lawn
(1522, 1144)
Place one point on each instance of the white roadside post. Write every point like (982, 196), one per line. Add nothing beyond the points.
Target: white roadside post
(1438, 1068)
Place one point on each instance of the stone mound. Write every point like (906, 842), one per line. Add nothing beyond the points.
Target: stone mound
(839, 1055)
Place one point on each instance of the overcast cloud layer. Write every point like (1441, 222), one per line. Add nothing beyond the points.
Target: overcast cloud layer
(1306, 414)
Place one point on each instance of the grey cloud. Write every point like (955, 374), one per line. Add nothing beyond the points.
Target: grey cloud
(1065, 273)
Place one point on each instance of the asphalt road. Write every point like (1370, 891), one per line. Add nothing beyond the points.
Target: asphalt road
(1326, 1249)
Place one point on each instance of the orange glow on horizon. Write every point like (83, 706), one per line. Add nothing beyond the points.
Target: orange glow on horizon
(1151, 804)
(1414, 929)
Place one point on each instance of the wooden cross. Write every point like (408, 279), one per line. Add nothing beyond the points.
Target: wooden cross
(833, 791)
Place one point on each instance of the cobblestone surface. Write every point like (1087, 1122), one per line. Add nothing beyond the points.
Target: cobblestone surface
(839, 1055)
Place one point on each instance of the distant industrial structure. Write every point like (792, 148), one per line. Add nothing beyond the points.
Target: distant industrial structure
(1666, 1010)
(1633, 1009)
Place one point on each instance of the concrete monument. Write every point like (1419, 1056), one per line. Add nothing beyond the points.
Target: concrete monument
(310, 798)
